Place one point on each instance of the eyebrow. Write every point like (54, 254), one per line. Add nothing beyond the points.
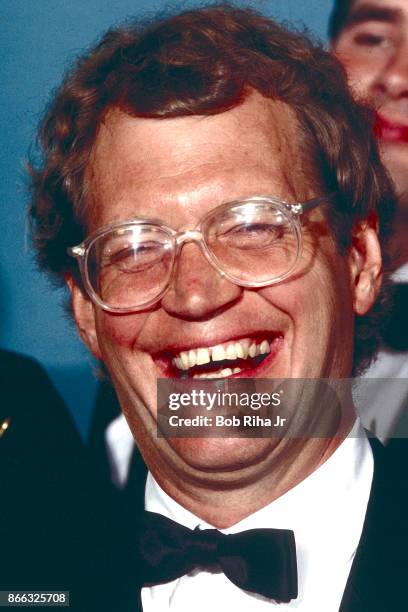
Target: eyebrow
(372, 12)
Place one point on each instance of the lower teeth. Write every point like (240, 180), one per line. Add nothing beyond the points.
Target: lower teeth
(220, 374)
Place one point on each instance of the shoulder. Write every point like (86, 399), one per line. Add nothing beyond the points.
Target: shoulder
(389, 495)
(44, 481)
(23, 376)
(384, 540)
(391, 464)
(37, 416)
(378, 576)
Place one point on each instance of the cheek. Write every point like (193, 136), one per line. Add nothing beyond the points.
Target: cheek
(315, 302)
(361, 80)
(395, 158)
(130, 370)
(120, 332)
(361, 71)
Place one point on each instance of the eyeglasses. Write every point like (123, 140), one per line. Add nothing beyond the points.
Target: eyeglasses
(253, 242)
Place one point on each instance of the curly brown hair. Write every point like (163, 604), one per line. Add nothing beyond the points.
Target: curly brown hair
(204, 62)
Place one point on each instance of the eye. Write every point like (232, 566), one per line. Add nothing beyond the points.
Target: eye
(253, 235)
(132, 258)
(368, 39)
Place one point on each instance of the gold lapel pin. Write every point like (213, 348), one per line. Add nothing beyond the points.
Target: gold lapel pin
(4, 427)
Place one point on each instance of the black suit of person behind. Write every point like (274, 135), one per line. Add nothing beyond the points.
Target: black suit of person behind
(45, 490)
(379, 575)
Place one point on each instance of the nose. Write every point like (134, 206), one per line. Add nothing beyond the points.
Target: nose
(198, 291)
(393, 79)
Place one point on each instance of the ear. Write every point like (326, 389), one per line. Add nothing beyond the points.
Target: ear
(365, 265)
(84, 316)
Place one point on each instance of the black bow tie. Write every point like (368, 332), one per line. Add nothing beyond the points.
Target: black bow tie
(258, 560)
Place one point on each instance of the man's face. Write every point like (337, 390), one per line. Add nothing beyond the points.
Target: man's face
(177, 170)
(373, 46)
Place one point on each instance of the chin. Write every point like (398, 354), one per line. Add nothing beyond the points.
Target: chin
(395, 158)
(222, 454)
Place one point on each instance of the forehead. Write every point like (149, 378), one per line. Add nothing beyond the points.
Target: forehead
(387, 11)
(138, 163)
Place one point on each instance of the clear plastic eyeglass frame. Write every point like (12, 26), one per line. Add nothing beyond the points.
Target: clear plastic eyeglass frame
(197, 235)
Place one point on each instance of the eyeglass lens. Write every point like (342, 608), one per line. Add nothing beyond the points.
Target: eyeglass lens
(250, 243)
(253, 243)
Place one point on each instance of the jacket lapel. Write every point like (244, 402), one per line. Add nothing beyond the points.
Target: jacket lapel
(379, 569)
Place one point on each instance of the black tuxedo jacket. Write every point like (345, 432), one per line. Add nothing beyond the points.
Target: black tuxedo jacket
(44, 507)
(380, 568)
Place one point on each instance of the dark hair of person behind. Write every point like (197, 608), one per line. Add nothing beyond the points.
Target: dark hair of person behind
(338, 17)
(204, 62)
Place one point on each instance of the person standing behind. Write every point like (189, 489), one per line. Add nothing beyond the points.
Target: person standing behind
(370, 38)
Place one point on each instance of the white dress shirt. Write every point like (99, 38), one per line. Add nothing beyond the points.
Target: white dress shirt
(326, 511)
(120, 444)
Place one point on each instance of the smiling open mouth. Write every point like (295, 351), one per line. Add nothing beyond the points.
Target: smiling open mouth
(241, 356)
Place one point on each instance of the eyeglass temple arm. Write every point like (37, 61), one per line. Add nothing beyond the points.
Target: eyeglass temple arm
(300, 208)
(76, 251)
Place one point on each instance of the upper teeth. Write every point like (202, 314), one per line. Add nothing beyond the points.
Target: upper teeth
(239, 349)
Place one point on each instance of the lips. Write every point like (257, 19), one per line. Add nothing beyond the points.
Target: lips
(238, 357)
(388, 131)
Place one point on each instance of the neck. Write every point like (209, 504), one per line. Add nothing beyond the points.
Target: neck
(223, 499)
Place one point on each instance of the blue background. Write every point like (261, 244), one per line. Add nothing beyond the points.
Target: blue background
(38, 41)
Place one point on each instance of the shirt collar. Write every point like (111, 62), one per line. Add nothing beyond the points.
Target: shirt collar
(401, 275)
(334, 497)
